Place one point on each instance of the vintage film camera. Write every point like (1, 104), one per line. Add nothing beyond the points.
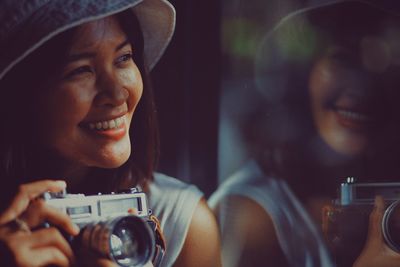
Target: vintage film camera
(346, 222)
(109, 230)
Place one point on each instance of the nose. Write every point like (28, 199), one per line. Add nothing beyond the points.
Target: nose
(111, 92)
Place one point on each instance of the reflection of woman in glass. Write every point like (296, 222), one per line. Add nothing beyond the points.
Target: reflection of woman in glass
(328, 78)
(77, 106)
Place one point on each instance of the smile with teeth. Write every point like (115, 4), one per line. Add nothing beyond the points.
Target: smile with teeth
(107, 125)
(353, 115)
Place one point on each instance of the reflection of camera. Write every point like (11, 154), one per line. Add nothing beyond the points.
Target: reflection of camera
(108, 230)
(345, 224)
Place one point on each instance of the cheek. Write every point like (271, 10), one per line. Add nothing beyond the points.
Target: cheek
(322, 88)
(62, 111)
(326, 83)
(317, 100)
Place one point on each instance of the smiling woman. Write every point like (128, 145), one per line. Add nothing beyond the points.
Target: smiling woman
(102, 85)
(78, 107)
(89, 79)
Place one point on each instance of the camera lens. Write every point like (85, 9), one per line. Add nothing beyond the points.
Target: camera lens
(131, 242)
(127, 240)
(391, 226)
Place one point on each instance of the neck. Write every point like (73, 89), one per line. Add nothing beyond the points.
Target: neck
(75, 175)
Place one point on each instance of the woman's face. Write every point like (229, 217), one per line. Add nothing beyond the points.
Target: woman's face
(346, 102)
(85, 115)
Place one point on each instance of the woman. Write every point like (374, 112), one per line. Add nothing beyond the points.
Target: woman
(80, 112)
(327, 79)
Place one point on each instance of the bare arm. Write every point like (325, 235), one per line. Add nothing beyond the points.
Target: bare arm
(248, 237)
(202, 244)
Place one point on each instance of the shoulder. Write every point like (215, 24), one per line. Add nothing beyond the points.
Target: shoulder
(180, 207)
(250, 183)
(248, 232)
(167, 183)
(202, 244)
(172, 195)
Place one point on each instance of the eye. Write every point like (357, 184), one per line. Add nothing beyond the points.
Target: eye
(124, 58)
(79, 71)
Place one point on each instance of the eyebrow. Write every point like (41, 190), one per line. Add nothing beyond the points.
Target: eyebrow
(75, 57)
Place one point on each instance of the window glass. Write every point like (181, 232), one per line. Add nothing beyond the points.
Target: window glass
(309, 132)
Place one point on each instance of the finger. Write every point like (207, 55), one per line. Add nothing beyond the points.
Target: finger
(17, 225)
(52, 237)
(49, 256)
(133, 211)
(105, 263)
(375, 222)
(39, 212)
(26, 193)
(149, 264)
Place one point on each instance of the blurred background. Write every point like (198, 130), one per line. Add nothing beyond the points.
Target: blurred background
(207, 68)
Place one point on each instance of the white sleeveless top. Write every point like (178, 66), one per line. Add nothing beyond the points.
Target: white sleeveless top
(298, 237)
(173, 202)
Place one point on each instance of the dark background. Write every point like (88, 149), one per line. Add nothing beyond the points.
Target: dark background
(206, 66)
(209, 60)
(187, 84)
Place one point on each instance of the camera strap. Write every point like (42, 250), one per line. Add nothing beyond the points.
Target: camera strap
(160, 242)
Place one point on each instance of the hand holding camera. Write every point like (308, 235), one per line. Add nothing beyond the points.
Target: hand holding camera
(109, 230)
(361, 229)
(376, 252)
(23, 247)
(44, 227)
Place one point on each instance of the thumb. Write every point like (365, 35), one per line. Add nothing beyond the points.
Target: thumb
(375, 237)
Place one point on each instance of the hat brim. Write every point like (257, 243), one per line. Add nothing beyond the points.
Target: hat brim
(296, 35)
(326, 4)
(156, 18)
(289, 50)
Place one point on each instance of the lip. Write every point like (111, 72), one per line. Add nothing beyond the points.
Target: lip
(353, 118)
(117, 132)
(354, 111)
(113, 134)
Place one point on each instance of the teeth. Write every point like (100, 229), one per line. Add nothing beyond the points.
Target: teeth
(105, 125)
(118, 122)
(354, 115)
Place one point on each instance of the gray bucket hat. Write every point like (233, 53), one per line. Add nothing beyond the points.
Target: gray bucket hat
(28, 24)
(288, 50)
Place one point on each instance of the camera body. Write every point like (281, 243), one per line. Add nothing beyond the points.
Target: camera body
(345, 223)
(84, 209)
(116, 226)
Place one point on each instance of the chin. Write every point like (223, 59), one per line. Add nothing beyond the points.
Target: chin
(345, 142)
(348, 147)
(112, 163)
(112, 156)
(111, 160)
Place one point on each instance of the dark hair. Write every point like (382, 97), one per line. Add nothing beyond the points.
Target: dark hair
(281, 131)
(20, 154)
